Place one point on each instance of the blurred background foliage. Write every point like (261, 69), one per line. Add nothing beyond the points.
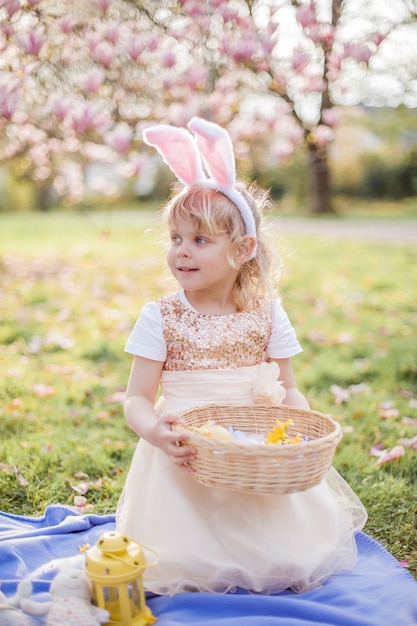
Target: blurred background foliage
(373, 157)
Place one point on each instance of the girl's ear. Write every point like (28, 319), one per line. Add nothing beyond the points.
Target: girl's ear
(245, 249)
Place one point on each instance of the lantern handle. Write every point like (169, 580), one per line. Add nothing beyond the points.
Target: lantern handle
(141, 545)
(155, 555)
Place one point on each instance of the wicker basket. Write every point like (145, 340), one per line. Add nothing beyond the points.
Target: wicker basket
(262, 469)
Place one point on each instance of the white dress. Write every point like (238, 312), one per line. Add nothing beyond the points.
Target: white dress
(210, 539)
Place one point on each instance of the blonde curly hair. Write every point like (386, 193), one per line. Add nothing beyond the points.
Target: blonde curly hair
(215, 213)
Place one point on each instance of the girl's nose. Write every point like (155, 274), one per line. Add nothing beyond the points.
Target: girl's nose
(183, 251)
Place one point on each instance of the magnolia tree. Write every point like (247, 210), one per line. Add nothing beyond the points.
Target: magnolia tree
(79, 81)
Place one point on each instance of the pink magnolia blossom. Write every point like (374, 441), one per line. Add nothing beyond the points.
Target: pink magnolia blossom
(378, 38)
(335, 61)
(153, 43)
(129, 169)
(9, 96)
(120, 138)
(33, 40)
(313, 32)
(331, 117)
(294, 133)
(194, 8)
(11, 6)
(322, 135)
(111, 32)
(168, 82)
(362, 54)
(306, 14)
(268, 43)
(313, 84)
(60, 105)
(228, 12)
(92, 39)
(279, 82)
(104, 53)
(70, 180)
(133, 46)
(243, 50)
(263, 65)
(7, 31)
(103, 5)
(359, 52)
(42, 173)
(98, 152)
(282, 149)
(88, 116)
(168, 60)
(300, 61)
(92, 80)
(195, 77)
(327, 33)
(66, 23)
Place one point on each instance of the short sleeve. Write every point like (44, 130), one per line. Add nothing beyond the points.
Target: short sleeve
(146, 338)
(283, 342)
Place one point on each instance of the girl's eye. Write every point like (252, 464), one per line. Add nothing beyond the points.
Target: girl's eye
(175, 239)
(200, 240)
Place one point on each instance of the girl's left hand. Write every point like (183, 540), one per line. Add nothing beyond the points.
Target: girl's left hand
(172, 442)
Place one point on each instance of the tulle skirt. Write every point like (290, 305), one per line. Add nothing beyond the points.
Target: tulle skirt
(210, 539)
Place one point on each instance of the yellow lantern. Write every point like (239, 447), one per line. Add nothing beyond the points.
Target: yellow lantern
(115, 566)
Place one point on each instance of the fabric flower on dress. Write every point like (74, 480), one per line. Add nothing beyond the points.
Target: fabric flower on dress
(267, 389)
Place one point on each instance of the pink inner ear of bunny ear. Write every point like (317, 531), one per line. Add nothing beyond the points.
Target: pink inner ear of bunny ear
(216, 150)
(178, 149)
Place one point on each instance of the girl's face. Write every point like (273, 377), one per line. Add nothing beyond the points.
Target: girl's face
(199, 260)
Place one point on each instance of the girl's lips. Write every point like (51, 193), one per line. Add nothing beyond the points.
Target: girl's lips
(186, 269)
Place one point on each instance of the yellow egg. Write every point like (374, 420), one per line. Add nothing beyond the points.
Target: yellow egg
(219, 432)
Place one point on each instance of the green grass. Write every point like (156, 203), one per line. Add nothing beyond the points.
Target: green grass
(72, 285)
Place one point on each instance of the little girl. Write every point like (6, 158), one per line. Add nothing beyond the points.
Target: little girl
(205, 344)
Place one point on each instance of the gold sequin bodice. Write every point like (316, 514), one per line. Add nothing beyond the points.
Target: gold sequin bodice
(201, 342)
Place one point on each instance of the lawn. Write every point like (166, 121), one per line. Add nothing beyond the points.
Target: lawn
(71, 287)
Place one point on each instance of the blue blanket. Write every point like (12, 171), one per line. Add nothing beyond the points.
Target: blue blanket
(377, 592)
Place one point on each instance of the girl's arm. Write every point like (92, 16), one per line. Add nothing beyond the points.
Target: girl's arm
(293, 396)
(139, 403)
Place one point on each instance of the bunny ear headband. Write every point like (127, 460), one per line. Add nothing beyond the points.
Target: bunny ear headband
(185, 154)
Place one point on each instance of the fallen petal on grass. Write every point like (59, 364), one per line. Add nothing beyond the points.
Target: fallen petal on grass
(117, 397)
(359, 388)
(391, 455)
(387, 412)
(81, 488)
(19, 477)
(43, 391)
(81, 505)
(408, 443)
(409, 420)
(340, 394)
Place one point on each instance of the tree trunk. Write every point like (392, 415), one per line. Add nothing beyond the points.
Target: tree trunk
(319, 188)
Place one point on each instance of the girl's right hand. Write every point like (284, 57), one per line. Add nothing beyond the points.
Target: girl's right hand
(170, 441)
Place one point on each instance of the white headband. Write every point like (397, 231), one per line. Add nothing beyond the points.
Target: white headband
(212, 146)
